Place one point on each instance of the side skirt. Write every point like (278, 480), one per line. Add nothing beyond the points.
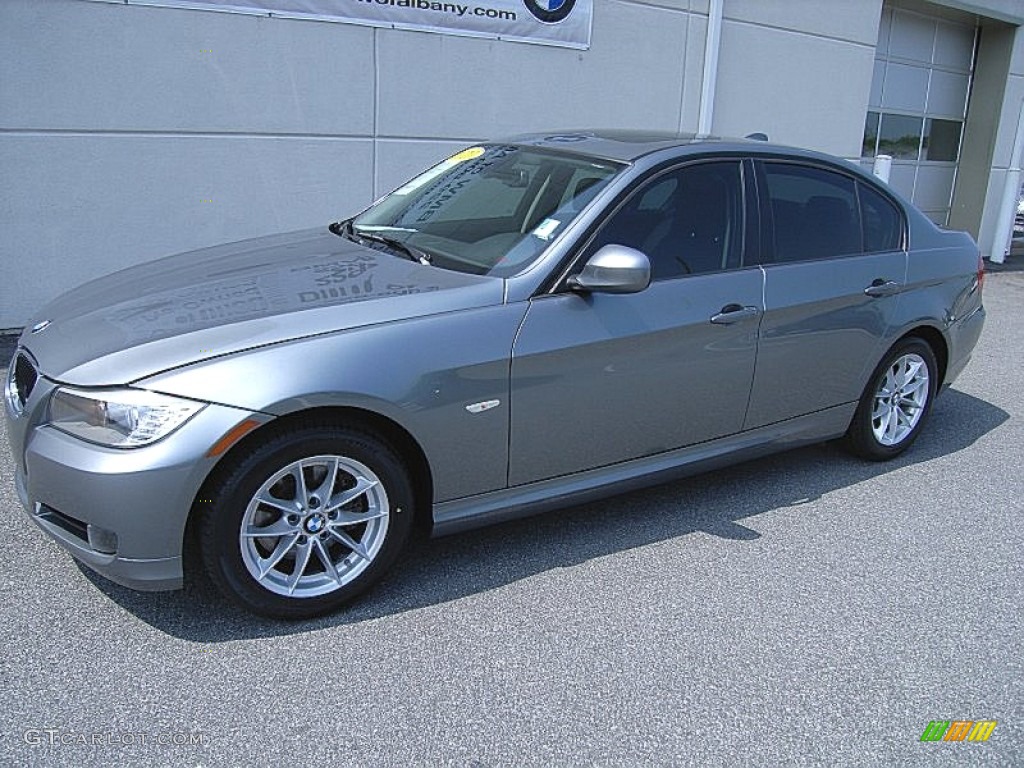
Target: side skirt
(523, 500)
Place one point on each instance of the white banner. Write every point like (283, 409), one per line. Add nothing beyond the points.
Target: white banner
(548, 22)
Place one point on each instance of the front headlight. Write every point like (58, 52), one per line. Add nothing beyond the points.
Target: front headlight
(120, 418)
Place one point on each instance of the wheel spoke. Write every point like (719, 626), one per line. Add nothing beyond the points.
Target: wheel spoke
(355, 518)
(902, 419)
(898, 374)
(362, 486)
(883, 426)
(880, 409)
(284, 544)
(285, 507)
(891, 423)
(302, 553)
(325, 558)
(916, 386)
(351, 543)
(325, 488)
(908, 370)
(889, 386)
(918, 369)
(301, 493)
(280, 527)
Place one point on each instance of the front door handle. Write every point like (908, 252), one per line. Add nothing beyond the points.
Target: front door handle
(880, 287)
(733, 313)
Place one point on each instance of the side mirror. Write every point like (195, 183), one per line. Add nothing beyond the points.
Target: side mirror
(613, 269)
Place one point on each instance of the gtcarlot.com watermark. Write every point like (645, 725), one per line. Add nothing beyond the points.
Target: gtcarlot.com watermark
(60, 737)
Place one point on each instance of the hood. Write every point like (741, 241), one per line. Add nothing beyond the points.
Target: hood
(202, 304)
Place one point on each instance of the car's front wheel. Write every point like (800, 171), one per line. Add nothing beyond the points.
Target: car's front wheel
(307, 521)
(895, 403)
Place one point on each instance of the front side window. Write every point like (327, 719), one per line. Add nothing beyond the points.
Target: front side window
(687, 221)
(489, 209)
(813, 212)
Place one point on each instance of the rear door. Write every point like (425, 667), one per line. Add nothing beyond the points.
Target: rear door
(834, 271)
(599, 378)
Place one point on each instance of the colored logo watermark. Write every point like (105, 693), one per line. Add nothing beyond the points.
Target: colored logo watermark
(958, 730)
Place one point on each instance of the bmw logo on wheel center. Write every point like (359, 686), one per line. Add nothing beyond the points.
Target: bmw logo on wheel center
(550, 11)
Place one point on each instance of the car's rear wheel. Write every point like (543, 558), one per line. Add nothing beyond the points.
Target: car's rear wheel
(896, 402)
(307, 521)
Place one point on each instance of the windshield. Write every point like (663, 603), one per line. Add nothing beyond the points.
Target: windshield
(488, 210)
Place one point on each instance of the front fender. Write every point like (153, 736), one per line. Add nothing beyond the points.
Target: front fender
(420, 373)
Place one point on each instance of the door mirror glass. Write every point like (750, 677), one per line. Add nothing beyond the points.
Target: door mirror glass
(614, 269)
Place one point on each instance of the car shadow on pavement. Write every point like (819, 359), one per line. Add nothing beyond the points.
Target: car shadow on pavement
(437, 571)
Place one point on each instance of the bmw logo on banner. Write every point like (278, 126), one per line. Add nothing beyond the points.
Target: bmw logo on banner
(550, 11)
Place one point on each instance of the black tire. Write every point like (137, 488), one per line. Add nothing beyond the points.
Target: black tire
(232, 561)
(862, 438)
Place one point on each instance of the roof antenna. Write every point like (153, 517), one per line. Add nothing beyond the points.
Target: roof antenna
(757, 136)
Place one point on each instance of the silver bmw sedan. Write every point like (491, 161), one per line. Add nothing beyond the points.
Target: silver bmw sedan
(531, 323)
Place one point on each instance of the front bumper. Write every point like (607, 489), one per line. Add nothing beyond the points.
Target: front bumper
(149, 575)
(120, 512)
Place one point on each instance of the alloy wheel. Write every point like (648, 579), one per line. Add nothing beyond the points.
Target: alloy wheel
(314, 526)
(900, 399)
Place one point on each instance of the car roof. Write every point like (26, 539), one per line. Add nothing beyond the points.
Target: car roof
(630, 145)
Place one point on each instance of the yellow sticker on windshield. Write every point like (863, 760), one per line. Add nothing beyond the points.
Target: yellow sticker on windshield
(441, 168)
(467, 154)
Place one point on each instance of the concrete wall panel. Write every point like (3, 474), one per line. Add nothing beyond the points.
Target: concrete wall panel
(443, 86)
(76, 65)
(82, 206)
(852, 20)
(785, 84)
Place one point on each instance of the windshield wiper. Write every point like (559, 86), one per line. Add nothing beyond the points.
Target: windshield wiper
(413, 253)
(345, 229)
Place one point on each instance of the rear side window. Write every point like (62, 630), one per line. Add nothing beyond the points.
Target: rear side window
(813, 212)
(882, 222)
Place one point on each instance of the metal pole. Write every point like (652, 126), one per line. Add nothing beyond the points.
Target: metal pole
(707, 88)
(1003, 239)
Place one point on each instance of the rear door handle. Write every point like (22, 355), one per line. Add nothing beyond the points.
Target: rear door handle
(733, 313)
(880, 287)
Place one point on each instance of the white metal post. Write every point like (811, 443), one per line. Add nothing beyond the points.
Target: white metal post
(1003, 239)
(707, 87)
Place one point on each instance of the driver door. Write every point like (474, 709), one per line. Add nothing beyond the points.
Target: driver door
(599, 379)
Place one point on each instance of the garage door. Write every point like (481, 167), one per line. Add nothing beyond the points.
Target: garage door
(918, 104)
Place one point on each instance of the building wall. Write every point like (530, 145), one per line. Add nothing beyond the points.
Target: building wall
(131, 132)
(798, 70)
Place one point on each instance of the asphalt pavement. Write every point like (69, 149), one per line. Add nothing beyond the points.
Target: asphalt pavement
(805, 609)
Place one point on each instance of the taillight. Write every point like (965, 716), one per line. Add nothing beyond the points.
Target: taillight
(981, 272)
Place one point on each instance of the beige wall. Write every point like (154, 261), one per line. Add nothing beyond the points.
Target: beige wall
(130, 132)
